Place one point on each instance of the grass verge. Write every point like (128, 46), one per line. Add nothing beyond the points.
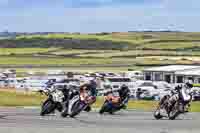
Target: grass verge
(12, 99)
(15, 99)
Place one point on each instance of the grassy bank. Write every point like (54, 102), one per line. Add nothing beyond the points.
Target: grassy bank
(51, 61)
(21, 51)
(13, 99)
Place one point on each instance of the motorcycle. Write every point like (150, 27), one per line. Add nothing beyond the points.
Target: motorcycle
(78, 104)
(111, 107)
(53, 102)
(178, 107)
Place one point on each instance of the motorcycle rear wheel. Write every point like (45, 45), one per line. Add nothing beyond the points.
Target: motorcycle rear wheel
(173, 114)
(103, 108)
(76, 109)
(47, 107)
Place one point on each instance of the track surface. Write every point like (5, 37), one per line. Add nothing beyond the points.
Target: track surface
(28, 121)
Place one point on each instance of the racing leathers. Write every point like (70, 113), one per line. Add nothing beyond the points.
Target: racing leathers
(119, 98)
(182, 93)
(88, 93)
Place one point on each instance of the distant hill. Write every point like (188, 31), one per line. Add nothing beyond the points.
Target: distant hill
(147, 40)
(7, 35)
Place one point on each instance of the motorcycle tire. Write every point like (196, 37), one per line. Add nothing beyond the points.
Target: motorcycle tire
(173, 114)
(103, 108)
(64, 114)
(157, 114)
(76, 109)
(59, 107)
(47, 107)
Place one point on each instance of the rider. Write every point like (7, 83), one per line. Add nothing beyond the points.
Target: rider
(119, 97)
(183, 94)
(68, 91)
(124, 93)
(89, 87)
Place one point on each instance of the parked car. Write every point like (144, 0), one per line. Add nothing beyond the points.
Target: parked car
(154, 90)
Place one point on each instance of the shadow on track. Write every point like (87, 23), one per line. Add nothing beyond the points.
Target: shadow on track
(85, 121)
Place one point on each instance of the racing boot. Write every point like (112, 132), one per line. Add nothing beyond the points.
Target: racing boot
(64, 113)
(187, 108)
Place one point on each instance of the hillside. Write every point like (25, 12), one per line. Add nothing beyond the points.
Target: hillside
(109, 41)
(103, 49)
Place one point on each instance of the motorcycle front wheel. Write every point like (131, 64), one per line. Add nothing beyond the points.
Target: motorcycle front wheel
(157, 114)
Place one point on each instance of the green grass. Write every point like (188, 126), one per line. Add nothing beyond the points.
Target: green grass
(163, 47)
(138, 53)
(98, 62)
(20, 99)
(76, 69)
(109, 37)
(134, 38)
(19, 51)
(79, 51)
(172, 45)
(51, 61)
(13, 99)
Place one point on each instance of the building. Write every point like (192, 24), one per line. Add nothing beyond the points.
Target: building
(173, 73)
(193, 75)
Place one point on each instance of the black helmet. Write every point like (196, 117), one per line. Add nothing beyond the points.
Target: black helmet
(124, 87)
(124, 90)
(188, 84)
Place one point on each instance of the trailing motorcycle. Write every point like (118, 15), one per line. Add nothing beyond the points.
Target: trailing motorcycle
(173, 108)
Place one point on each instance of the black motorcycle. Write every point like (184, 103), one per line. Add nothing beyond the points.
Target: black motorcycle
(173, 111)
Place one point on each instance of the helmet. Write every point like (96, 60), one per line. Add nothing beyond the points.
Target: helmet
(124, 90)
(124, 87)
(188, 84)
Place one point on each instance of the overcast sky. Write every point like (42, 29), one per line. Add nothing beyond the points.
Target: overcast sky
(99, 15)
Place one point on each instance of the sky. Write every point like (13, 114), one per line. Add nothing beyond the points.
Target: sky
(89, 16)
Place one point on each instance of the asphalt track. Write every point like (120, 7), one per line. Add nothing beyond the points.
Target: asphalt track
(19, 120)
